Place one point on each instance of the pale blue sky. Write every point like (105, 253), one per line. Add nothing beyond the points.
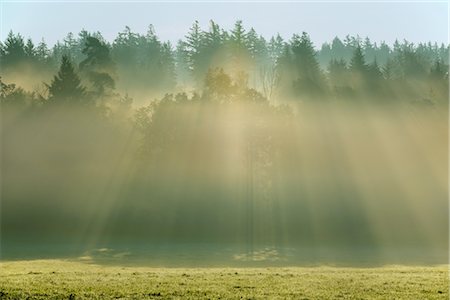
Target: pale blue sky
(414, 21)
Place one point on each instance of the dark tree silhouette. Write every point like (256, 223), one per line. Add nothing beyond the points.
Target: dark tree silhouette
(66, 85)
(98, 65)
(358, 62)
(358, 69)
(238, 36)
(193, 46)
(300, 59)
(13, 51)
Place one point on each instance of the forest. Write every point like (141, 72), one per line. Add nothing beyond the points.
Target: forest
(227, 138)
(137, 65)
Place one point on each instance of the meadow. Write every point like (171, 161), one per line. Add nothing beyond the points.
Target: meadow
(71, 279)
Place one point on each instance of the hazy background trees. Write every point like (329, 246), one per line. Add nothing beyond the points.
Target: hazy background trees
(145, 67)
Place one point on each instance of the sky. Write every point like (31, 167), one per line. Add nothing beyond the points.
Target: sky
(380, 20)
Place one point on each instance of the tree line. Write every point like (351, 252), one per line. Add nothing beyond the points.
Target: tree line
(142, 64)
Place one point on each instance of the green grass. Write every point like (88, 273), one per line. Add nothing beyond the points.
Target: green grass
(61, 279)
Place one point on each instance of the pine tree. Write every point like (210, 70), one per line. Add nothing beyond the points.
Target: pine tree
(374, 70)
(167, 64)
(97, 55)
(257, 47)
(338, 49)
(66, 85)
(325, 54)
(98, 65)
(238, 35)
(215, 36)
(29, 49)
(374, 79)
(194, 40)
(358, 62)
(369, 50)
(388, 70)
(275, 48)
(42, 51)
(382, 53)
(13, 50)
(358, 69)
(310, 79)
(181, 62)
(203, 50)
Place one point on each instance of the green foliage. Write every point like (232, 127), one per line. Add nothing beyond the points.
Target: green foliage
(66, 85)
(358, 62)
(303, 68)
(193, 45)
(143, 65)
(98, 66)
(13, 51)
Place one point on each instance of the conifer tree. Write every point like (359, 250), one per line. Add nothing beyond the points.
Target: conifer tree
(66, 85)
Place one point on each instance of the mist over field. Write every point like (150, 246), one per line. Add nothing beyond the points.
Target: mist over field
(224, 150)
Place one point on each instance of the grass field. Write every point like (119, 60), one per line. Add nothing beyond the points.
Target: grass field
(63, 279)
